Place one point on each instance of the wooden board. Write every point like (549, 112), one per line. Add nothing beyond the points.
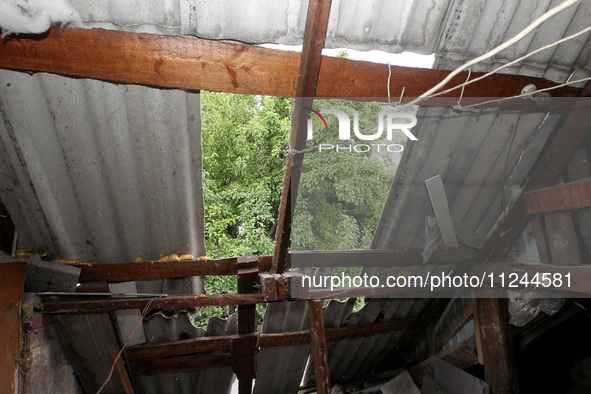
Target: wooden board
(191, 63)
(12, 281)
(573, 195)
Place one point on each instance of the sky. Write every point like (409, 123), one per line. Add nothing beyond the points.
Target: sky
(407, 59)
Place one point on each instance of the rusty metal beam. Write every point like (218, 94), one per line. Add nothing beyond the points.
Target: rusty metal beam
(309, 71)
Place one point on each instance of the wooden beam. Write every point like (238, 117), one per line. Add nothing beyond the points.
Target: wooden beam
(224, 343)
(173, 269)
(155, 366)
(68, 307)
(320, 351)
(157, 269)
(570, 136)
(573, 195)
(378, 257)
(244, 360)
(122, 372)
(244, 347)
(181, 348)
(307, 82)
(12, 283)
(195, 64)
(497, 346)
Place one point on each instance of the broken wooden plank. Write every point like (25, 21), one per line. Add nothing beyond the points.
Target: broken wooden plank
(574, 195)
(191, 63)
(455, 381)
(462, 356)
(320, 351)
(440, 206)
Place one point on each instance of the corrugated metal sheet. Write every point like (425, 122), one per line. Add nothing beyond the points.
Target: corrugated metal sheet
(95, 170)
(161, 330)
(483, 158)
(376, 24)
(474, 27)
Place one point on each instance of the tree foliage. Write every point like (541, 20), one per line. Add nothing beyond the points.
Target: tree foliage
(243, 140)
(342, 193)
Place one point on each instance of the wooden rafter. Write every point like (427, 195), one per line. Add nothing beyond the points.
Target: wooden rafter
(224, 343)
(497, 346)
(306, 89)
(195, 64)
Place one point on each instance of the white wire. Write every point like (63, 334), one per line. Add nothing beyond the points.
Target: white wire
(528, 93)
(549, 14)
(513, 62)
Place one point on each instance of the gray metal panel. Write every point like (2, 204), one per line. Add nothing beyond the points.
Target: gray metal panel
(474, 27)
(376, 24)
(280, 369)
(474, 152)
(115, 170)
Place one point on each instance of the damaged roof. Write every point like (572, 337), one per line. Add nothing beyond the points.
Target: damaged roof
(100, 171)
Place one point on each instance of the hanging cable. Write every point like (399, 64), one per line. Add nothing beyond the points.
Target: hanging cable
(549, 14)
(496, 70)
(528, 93)
(144, 312)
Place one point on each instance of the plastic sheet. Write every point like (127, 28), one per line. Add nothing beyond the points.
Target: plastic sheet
(524, 307)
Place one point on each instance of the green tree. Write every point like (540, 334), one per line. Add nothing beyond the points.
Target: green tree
(243, 140)
(342, 193)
